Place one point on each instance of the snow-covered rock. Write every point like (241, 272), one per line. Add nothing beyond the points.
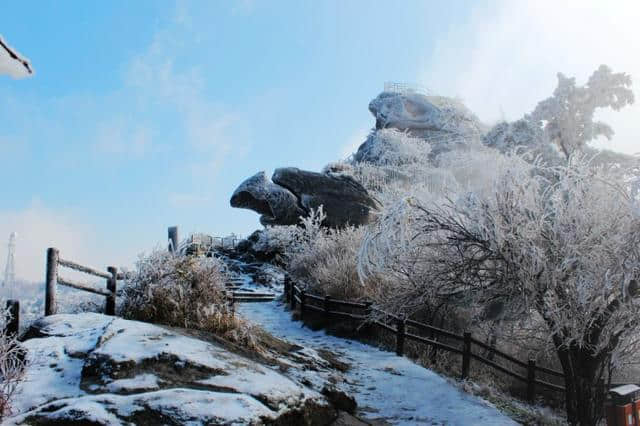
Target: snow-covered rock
(415, 111)
(445, 123)
(292, 193)
(275, 203)
(91, 368)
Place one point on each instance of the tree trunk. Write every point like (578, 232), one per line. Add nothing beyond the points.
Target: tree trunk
(584, 397)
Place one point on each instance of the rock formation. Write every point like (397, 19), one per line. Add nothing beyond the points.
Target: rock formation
(95, 369)
(276, 204)
(292, 193)
(444, 123)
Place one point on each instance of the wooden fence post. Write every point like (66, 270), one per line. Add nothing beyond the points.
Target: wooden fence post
(287, 288)
(302, 302)
(367, 309)
(232, 305)
(400, 330)
(531, 380)
(110, 308)
(173, 239)
(51, 279)
(327, 306)
(13, 317)
(466, 355)
(293, 297)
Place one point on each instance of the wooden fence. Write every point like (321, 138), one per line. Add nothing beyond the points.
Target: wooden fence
(405, 329)
(54, 262)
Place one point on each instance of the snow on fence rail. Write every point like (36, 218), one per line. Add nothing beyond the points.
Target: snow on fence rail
(403, 327)
(53, 279)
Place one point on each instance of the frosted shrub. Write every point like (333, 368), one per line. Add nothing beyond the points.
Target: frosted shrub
(275, 239)
(327, 265)
(567, 117)
(182, 291)
(324, 260)
(12, 366)
(557, 245)
(391, 147)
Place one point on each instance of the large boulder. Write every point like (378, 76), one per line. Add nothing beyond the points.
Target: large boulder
(292, 193)
(99, 370)
(276, 204)
(418, 113)
(445, 123)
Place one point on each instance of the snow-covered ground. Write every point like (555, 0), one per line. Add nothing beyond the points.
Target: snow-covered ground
(384, 385)
(95, 369)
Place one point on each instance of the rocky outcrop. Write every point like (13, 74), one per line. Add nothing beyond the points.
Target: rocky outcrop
(292, 193)
(419, 114)
(444, 123)
(275, 203)
(95, 369)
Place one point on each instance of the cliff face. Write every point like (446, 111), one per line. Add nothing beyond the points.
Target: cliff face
(94, 369)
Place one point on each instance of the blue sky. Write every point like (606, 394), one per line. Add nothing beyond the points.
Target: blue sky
(147, 114)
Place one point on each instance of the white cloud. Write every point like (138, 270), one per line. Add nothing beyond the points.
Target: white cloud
(507, 57)
(243, 7)
(118, 137)
(38, 228)
(211, 130)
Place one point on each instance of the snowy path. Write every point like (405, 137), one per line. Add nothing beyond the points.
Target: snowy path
(384, 385)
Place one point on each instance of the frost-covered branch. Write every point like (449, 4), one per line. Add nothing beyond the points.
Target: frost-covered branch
(12, 63)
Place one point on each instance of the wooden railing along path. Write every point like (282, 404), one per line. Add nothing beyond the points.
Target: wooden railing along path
(406, 329)
(54, 262)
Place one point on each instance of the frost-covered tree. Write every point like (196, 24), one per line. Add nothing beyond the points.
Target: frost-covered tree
(567, 116)
(564, 253)
(523, 134)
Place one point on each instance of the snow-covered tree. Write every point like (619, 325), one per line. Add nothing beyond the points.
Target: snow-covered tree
(567, 116)
(563, 252)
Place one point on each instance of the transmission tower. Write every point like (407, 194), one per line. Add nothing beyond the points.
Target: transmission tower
(10, 269)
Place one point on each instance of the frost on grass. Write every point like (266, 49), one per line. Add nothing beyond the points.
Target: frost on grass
(12, 367)
(183, 291)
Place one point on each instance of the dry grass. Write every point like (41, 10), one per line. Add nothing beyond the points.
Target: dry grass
(12, 367)
(187, 292)
(326, 263)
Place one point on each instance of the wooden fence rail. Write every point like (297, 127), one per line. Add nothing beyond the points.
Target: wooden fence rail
(54, 262)
(330, 307)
